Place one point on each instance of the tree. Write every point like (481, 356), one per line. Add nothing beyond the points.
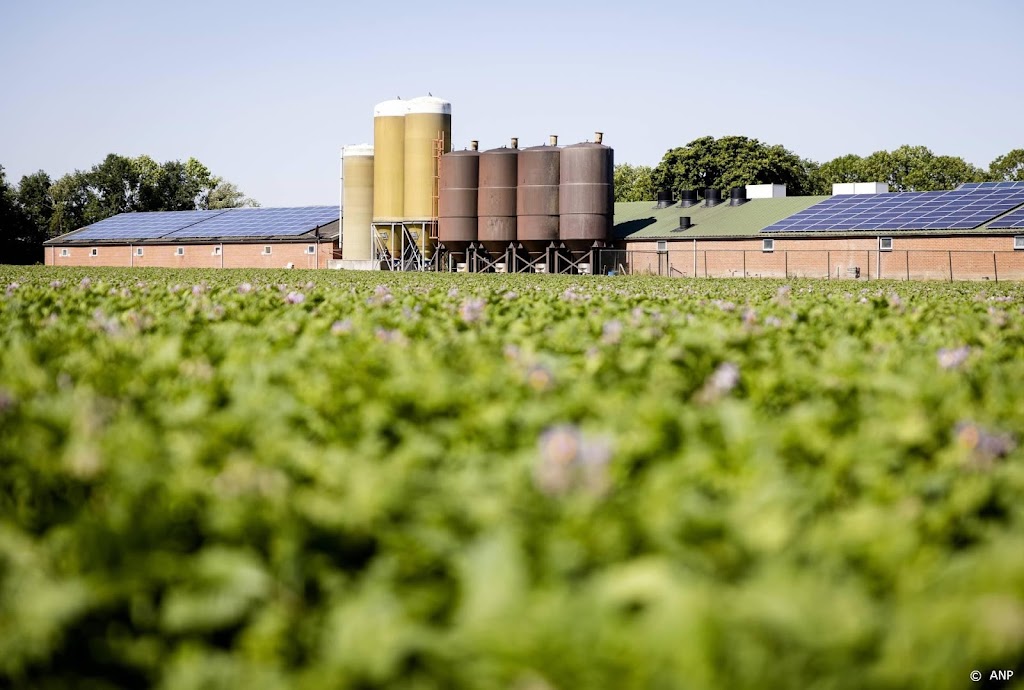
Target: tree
(37, 203)
(74, 203)
(226, 195)
(729, 162)
(1009, 167)
(634, 182)
(918, 169)
(16, 241)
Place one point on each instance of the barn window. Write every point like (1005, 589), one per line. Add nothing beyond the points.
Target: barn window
(180, 251)
(311, 249)
(767, 245)
(94, 252)
(216, 251)
(1018, 242)
(662, 246)
(885, 244)
(138, 251)
(267, 249)
(65, 252)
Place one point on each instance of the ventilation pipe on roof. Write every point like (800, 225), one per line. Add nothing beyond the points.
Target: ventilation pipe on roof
(684, 224)
(712, 197)
(664, 198)
(474, 145)
(737, 196)
(598, 137)
(553, 140)
(515, 142)
(688, 199)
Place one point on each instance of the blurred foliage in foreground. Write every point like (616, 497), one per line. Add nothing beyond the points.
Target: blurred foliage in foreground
(258, 480)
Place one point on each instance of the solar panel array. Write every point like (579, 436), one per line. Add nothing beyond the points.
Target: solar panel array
(235, 222)
(966, 207)
(1010, 220)
(992, 185)
(262, 222)
(134, 226)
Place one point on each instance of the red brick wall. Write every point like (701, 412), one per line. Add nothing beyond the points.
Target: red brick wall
(920, 258)
(195, 256)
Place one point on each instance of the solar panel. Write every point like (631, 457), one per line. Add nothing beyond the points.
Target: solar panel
(261, 222)
(963, 208)
(992, 185)
(1011, 220)
(143, 226)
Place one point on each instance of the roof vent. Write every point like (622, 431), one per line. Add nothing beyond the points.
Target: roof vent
(515, 142)
(664, 198)
(684, 224)
(712, 197)
(474, 145)
(737, 196)
(689, 198)
(553, 140)
(598, 137)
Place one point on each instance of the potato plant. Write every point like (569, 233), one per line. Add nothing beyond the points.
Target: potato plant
(260, 480)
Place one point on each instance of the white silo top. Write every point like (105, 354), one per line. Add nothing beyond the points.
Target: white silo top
(431, 105)
(357, 150)
(396, 108)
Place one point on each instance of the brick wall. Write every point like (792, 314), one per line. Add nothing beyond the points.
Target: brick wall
(919, 258)
(195, 256)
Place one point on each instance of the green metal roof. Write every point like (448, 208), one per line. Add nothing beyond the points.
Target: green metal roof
(640, 220)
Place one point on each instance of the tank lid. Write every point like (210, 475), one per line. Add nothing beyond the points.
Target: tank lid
(431, 105)
(395, 108)
(357, 150)
(502, 149)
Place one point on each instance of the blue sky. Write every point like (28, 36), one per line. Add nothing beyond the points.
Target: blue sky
(266, 93)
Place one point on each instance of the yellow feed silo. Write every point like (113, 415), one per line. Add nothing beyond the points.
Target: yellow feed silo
(389, 160)
(357, 202)
(427, 121)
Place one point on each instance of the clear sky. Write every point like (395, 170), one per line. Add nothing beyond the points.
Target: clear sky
(265, 93)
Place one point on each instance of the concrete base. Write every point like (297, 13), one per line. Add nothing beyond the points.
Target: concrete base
(354, 264)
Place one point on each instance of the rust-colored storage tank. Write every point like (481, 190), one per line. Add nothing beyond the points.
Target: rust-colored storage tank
(586, 197)
(458, 188)
(537, 196)
(499, 169)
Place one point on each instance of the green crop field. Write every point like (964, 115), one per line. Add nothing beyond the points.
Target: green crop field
(257, 480)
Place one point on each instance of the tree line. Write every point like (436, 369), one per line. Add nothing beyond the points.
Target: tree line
(732, 161)
(38, 208)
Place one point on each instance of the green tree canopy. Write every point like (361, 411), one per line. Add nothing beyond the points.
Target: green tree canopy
(16, 230)
(729, 162)
(906, 169)
(226, 195)
(39, 207)
(1009, 167)
(634, 183)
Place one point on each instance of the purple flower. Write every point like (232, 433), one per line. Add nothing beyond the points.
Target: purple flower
(611, 332)
(567, 459)
(986, 446)
(472, 309)
(342, 327)
(295, 298)
(245, 288)
(381, 295)
(953, 358)
(722, 381)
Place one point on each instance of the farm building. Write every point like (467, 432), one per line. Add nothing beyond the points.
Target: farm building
(975, 232)
(304, 237)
